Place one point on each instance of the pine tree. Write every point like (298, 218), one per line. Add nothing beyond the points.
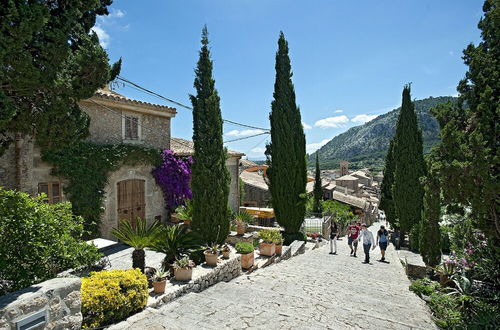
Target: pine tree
(386, 198)
(430, 239)
(467, 156)
(409, 166)
(286, 153)
(49, 60)
(318, 190)
(210, 177)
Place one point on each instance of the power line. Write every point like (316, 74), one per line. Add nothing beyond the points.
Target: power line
(161, 132)
(150, 92)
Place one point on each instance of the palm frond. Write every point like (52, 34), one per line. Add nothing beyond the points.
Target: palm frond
(139, 236)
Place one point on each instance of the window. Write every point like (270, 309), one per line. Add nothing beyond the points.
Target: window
(52, 190)
(131, 128)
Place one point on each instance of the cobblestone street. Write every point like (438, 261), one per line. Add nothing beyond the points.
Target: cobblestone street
(311, 291)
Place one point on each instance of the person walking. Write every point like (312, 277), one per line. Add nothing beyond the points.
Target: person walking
(334, 233)
(382, 241)
(352, 238)
(367, 241)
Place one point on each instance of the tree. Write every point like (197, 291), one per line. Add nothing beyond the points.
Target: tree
(430, 239)
(210, 177)
(318, 190)
(409, 166)
(386, 198)
(467, 157)
(49, 60)
(286, 154)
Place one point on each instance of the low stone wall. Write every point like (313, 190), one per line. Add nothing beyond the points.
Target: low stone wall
(57, 300)
(203, 277)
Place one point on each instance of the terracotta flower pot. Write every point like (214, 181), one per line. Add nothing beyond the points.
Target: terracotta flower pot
(159, 287)
(247, 260)
(211, 259)
(278, 249)
(267, 249)
(225, 254)
(183, 274)
(241, 228)
(187, 222)
(174, 218)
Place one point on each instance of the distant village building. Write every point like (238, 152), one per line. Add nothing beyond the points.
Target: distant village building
(255, 189)
(344, 167)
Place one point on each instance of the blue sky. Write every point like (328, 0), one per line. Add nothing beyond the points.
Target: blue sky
(350, 58)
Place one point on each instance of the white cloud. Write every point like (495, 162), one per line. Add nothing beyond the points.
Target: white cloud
(312, 147)
(335, 122)
(103, 35)
(338, 111)
(306, 126)
(259, 150)
(116, 13)
(363, 118)
(245, 132)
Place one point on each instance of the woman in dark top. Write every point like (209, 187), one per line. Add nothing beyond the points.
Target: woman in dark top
(382, 240)
(334, 232)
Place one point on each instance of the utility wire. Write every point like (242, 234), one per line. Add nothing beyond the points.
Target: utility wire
(150, 92)
(160, 132)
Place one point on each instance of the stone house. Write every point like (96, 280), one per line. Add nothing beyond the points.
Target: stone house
(131, 191)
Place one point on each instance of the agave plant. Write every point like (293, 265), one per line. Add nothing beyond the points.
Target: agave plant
(175, 241)
(185, 212)
(139, 237)
(244, 217)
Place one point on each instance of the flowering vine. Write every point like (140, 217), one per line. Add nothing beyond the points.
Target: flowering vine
(173, 175)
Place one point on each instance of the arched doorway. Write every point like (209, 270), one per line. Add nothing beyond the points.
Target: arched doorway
(131, 200)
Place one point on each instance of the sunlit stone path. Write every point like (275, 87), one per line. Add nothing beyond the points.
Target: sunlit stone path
(312, 291)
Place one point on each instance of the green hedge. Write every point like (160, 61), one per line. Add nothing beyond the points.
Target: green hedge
(38, 240)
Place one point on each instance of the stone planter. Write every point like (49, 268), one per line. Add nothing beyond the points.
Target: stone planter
(278, 249)
(241, 228)
(225, 254)
(211, 259)
(247, 260)
(267, 249)
(183, 274)
(159, 287)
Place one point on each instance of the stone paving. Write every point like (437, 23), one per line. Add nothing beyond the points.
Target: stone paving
(311, 291)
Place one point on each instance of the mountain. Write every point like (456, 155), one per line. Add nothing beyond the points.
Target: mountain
(366, 145)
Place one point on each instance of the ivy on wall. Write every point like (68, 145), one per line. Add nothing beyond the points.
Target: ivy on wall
(86, 167)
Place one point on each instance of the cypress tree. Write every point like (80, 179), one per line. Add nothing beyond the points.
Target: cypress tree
(286, 153)
(318, 191)
(210, 177)
(430, 240)
(468, 159)
(409, 166)
(386, 198)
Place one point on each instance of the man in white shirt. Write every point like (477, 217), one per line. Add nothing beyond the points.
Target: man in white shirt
(368, 241)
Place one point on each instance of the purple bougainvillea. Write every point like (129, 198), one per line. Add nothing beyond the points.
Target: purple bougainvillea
(173, 176)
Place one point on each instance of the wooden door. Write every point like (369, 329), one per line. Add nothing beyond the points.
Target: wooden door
(131, 200)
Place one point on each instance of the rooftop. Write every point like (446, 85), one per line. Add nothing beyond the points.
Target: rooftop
(347, 178)
(254, 179)
(114, 96)
(183, 147)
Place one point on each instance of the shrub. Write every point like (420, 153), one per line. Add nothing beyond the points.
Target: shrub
(244, 247)
(446, 309)
(111, 296)
(445, 238)
(424, 287)
(39, 240)
(414, 237)
(267, 235)
(290, 237)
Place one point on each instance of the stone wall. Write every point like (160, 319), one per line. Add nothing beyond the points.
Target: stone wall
(234, 191)
(225, 271)
(58, 299)
(106, 125)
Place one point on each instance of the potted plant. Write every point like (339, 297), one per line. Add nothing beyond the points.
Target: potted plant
(242, 221)
(212, 254)
(445, 271)
(159, 281)
(139, 237)
(247, 256)
(267, 246)
(175, 241)
(226, 251)
(278, 241)
(185, 212)
(183, 269)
